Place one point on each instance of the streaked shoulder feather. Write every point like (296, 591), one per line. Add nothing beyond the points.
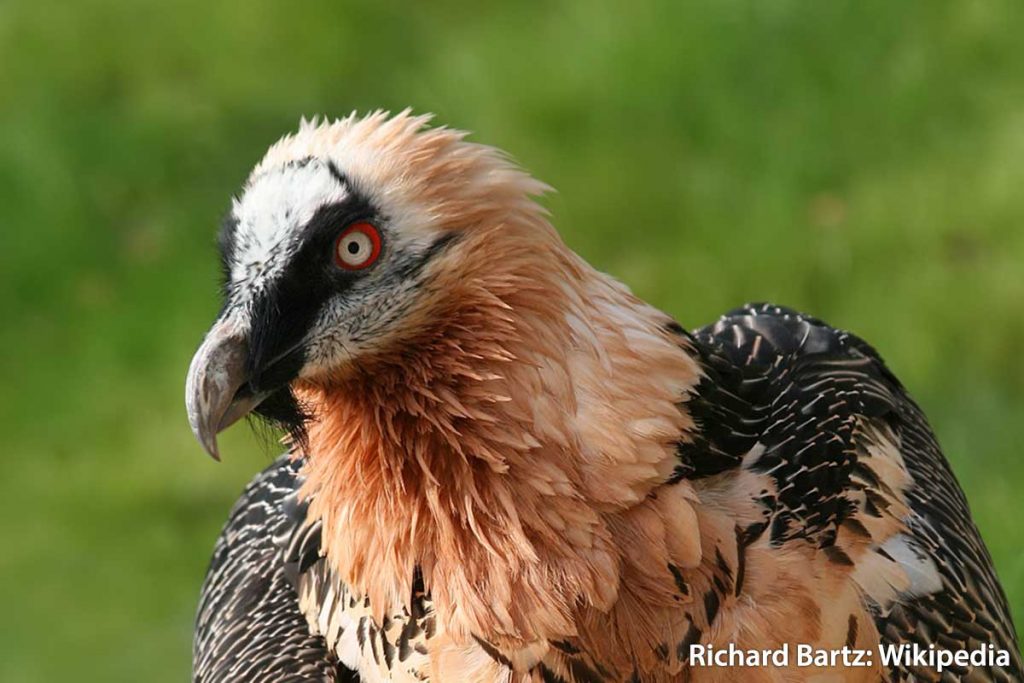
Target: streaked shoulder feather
(846, 446)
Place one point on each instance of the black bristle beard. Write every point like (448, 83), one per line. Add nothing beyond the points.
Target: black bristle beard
(283, 412)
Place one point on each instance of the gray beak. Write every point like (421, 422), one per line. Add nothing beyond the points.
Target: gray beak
(215, 376)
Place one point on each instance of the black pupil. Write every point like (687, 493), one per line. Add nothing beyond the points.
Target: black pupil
(353, 247)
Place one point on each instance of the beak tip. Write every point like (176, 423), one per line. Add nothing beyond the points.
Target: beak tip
(207, 438)
(210, 446)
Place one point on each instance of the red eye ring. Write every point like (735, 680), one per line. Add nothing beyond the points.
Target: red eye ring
(357, 247)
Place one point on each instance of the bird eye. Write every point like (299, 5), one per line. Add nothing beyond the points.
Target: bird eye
(357, 247)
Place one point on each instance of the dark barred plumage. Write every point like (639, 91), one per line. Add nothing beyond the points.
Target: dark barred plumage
(799, 387)
(249, 627)
(782, 395)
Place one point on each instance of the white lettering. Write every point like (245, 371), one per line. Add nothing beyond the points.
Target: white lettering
(891, 655)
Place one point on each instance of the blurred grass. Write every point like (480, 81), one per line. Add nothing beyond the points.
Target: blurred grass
(862, 161)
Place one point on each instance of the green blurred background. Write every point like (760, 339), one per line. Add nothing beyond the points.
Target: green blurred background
(863, 161)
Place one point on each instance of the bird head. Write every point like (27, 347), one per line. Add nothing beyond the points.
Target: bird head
(349, 240)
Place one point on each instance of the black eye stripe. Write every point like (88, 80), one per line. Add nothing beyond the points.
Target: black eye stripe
(283, 314)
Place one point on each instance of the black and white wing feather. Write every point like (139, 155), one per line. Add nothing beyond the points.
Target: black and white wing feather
(249, 626)
(810, 395)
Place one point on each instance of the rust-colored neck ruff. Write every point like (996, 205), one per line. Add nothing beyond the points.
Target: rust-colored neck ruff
(532, 405)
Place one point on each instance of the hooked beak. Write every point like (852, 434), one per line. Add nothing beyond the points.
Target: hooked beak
(216, 391)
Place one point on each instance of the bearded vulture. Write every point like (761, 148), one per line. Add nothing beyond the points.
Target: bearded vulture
(504, 466)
